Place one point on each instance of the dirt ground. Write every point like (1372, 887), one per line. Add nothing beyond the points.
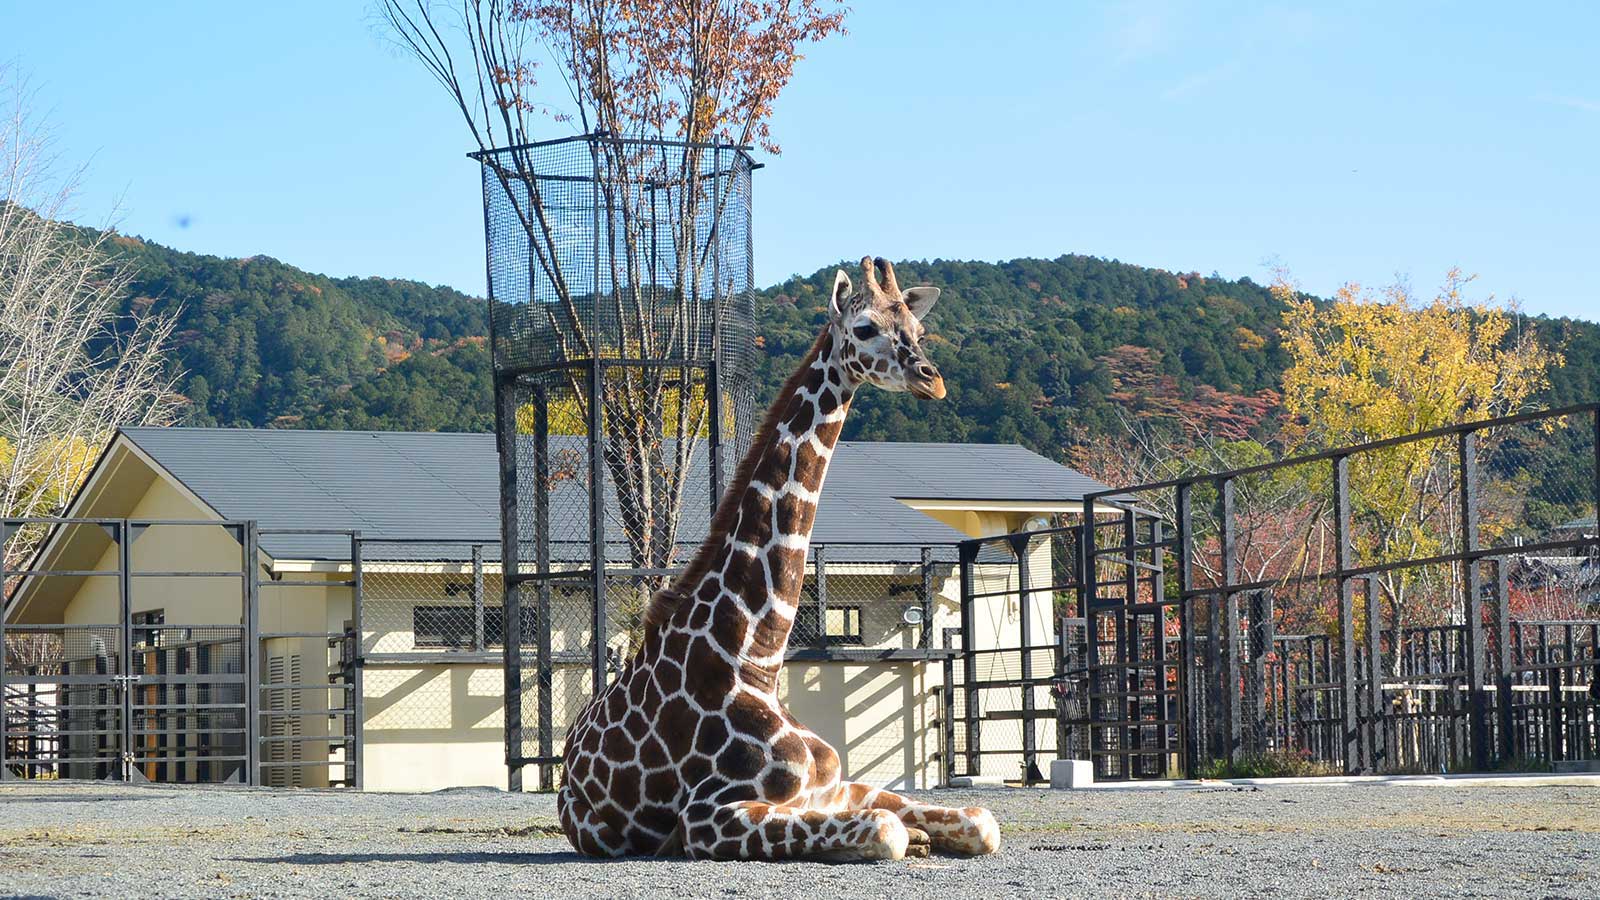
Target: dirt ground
(1533, 839)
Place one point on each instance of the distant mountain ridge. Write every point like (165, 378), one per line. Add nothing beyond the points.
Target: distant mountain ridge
(1038, 352)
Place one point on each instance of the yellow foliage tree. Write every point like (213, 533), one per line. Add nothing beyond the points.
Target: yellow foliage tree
(1366, 367)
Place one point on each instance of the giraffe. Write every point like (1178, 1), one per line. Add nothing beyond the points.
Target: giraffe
(689, 751)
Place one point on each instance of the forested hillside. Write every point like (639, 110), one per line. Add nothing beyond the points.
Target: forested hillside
(1039, 352)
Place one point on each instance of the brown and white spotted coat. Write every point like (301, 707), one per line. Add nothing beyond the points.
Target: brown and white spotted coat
(689, 750)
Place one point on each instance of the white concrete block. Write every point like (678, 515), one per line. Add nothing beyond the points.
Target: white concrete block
(1071, 773)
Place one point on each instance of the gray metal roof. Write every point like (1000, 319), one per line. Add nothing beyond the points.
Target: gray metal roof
(445, 487)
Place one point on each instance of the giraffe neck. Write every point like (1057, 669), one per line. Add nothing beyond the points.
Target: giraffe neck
(754, 566)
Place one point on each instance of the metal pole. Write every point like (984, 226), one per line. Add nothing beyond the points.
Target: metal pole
(1472, 584)
(1376, 732)
(252, 653)
(1230, 576)
(1188, 706)
(125, 649)
(1345, 549)
(1030, 749)
(713, 375)
(1128, 648)
(925, 639)
(597, 472)
(356, 769)
(478, 637)
(820, 557)
(1166, 704)
(1088, 596)
(1503, 662)
(511, 575)
(947, 758)
(597, 526)
(541, 527)
(969, 658)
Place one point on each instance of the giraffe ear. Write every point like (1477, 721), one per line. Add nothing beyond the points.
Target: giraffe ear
(920, 299)
(842, 289)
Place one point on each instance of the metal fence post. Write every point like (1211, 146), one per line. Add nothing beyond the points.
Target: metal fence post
(1186, 662)
(925, 639)
(947, 758)
(545, 667)
(1030, 750)
(1377, 733)
(252, 655)
(357, 771)
(1503, 659)
(479, 641)
(1345, 550)
(1472, 585)
(510, 577)
(969, 659)
(597, 521)
(1230, 576)
(1261, 640)
(820, 558)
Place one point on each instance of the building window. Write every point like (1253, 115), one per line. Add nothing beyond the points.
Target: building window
(147, 630)
(843, 624)
(451, 627)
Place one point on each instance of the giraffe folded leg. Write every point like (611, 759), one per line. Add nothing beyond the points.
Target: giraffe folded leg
(755, 830)
(971, 831)
(587, 832)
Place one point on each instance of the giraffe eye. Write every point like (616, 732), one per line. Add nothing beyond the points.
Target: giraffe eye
(866, 332)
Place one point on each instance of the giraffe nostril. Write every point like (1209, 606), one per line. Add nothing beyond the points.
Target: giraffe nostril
(926, 371)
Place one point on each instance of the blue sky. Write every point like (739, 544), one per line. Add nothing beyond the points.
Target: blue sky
(1348, 142)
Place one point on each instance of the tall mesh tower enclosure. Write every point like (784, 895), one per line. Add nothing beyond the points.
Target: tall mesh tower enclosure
(622, 325)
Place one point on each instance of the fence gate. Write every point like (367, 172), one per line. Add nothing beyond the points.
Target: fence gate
(136, 688)
(1069, 649)
(166, 651)
(1016, 690)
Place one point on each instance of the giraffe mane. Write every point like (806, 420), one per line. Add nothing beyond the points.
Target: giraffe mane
(667, 600)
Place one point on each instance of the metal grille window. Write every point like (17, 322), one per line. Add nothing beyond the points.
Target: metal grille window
(452, 627)
(840, 625)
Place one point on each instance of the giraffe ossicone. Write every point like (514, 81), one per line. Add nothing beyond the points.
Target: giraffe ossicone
(689, 751)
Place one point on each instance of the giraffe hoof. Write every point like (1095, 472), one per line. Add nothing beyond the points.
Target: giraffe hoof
(918, 846)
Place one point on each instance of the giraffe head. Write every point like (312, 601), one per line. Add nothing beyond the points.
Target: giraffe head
(878, 329)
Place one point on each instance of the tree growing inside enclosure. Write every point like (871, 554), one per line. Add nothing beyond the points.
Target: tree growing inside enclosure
(73, 368)
(702, 73)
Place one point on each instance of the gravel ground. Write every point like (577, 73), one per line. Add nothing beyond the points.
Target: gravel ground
(99, 840)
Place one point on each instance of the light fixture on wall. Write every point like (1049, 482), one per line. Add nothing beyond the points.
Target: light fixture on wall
(1037, 523)
(911, 615)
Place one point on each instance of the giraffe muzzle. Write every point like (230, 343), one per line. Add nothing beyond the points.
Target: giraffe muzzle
(928, 388)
